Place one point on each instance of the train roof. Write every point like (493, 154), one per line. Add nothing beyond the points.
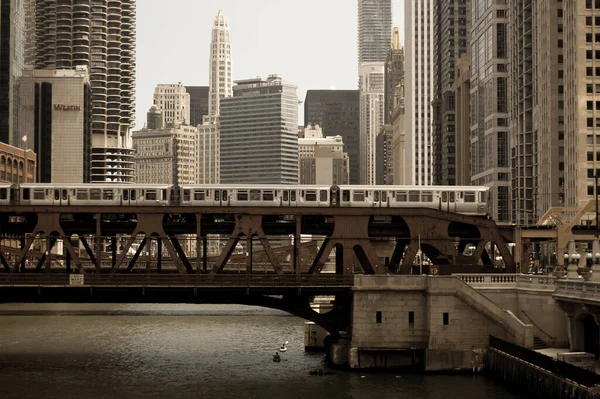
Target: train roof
(426, 188)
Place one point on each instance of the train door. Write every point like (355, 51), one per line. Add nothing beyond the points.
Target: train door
(452, 201)
(285, 198)
(444, 201)
(335, 196)
(380, 199)
(294, 198)
(125, 198)
(61, 196)
(221, 198)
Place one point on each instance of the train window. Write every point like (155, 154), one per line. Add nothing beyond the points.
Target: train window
(311, 195)
(401, 196)
(376, 197)
(469, 197)
(217, 195)
(224, 195)
(444, 196)
(133, 195)
(3, 194)
(56, 195)
(358, 196)
(427, 196)
(268, 195)
(286, 196)
(26, 194)
(151, 195)
(163, 194)
(39, 195)
(107, 195)
(254, 195)
(126, 195)
(481, 196)
(65, 195)
(292, 195)
(95, 194)
(383, 196)
(451, 196)
(186, 195)
(242, 195)
(414, 196)
(461, 194)
(199, 195)
(323, 196)
(346, 195)
(82, 195)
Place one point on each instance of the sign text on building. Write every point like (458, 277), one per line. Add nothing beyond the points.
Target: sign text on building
(64, 107)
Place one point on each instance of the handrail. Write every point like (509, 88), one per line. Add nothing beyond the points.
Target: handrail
(536, 326)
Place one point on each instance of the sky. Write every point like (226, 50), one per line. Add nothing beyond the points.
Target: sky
(310, 43)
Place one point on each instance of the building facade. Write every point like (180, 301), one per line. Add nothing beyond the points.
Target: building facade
(100, 36)
(450, 40)
(394, 74)
(549, 104)
(174, 102)
(372, 101)
(322, 160)
(462, 97)
(398, 145)
(374, 30)
(419, 91)
(490, 164)
(385, 160)
(17, 56)
(198, 103)
(259, 133)
(337, 112)
(17, 165)
(207, 152)
(56, 113)
(221, 81)
(167, 155)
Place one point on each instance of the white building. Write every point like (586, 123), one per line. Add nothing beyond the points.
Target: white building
(418, 80)
(174, 102)
(372, 104)
(322, 160)
(220, 86)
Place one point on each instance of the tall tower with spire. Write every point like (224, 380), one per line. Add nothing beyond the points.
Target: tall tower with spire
(220, 81)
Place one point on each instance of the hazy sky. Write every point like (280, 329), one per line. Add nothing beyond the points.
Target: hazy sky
(311, 43)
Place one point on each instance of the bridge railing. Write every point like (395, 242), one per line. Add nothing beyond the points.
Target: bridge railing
(578, 289)
(546, 283)
(175, 280)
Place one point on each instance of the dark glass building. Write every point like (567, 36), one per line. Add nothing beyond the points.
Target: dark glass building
(337, 112)
(198, 103)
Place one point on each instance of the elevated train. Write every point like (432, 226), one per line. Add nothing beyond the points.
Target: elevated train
(468, 200)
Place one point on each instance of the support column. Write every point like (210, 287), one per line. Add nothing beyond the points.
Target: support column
(297, 246)
(198, 241)
(249, 254)
(98, 243)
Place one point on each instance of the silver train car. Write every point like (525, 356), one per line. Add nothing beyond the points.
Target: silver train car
(467, 200)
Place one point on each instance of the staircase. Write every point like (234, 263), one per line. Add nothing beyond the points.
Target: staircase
(538, 343)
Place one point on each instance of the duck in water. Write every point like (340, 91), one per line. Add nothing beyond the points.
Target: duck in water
(276, 357)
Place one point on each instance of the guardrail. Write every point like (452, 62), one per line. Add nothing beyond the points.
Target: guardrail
(578, 289)
(529, 281)
(176, 280)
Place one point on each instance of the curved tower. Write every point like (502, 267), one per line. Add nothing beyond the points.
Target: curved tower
(220, 81)
(98, 34)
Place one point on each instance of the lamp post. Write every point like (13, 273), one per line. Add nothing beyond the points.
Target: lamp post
(573, 266)
(595, 268)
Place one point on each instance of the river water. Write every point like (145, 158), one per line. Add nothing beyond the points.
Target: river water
(187, 351)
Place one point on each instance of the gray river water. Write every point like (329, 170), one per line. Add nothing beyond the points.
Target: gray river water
(187, 351)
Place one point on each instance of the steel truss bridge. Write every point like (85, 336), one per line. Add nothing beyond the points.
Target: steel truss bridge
(263, 256)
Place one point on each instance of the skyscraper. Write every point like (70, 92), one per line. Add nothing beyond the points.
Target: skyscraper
(374, 30)
(450, 41)
(372, 100)
(489, 108)
(220, 80)
(259, 132)
(219, 87)
(418, 91)
(394, 74)
(198, 103)
(174, 102)
(101, 36)
(17, 54)
(337, 112)
(374, 39)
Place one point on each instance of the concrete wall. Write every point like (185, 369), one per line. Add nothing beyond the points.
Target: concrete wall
(537, 308)
(457, 343)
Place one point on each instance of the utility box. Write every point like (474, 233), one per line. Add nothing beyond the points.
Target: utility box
(580, 359)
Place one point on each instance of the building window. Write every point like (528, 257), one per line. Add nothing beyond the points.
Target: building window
(446, 317)
(411, 317)
(378, 318)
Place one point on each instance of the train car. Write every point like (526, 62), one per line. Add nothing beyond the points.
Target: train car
(5, 193)
(94, 194)
(255, 195)
(465, 200)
